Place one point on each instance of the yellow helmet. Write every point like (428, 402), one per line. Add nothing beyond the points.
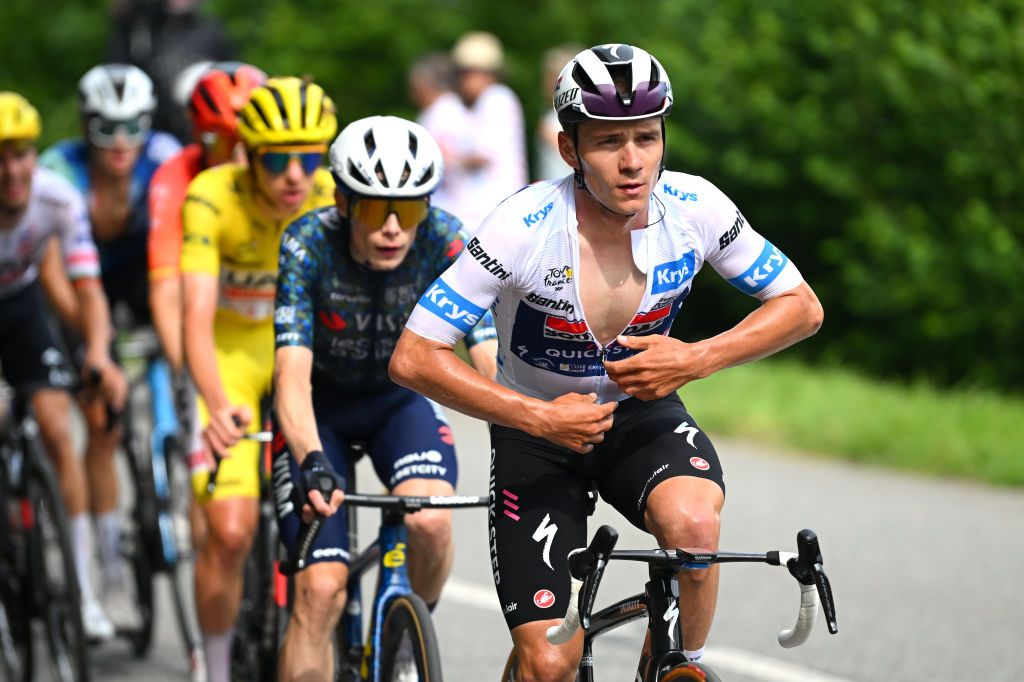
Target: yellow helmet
(287, 111)
(19, 120)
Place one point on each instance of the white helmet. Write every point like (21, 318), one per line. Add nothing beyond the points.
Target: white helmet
(116, 92)
(385, 156)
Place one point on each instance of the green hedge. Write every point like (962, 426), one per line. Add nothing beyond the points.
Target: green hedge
(878, 143)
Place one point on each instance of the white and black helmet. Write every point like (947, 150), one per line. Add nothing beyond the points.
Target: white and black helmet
(385, 156)
(612, 82)
(116, 92)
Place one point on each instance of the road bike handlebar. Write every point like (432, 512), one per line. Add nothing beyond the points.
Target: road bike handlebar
(258, 436)
(404, 503)
(586, 567)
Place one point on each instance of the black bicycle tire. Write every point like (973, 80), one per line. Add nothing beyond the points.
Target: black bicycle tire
(17, 607)
(410, 614)
(141, 638)
(10, 657)
(63, 624)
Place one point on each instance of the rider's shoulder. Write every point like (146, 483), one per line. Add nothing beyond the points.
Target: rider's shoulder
(52, 188)
(66, 157)
(161, 146)
(531, 210)
(684, 188)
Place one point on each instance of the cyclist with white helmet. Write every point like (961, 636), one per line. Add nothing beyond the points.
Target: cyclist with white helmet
(349, 276)
(112, 166)
(585, 276)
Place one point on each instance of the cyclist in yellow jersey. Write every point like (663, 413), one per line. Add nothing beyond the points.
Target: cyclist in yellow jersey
(232, 222)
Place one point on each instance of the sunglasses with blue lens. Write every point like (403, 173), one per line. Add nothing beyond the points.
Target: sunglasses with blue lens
(276, 159)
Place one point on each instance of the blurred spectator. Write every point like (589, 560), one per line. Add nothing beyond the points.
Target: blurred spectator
(549, 163)
(442, 113)
(492, 162)
(165, 38)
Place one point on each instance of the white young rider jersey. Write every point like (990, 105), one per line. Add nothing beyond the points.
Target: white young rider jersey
(524, 265)
(55, 207)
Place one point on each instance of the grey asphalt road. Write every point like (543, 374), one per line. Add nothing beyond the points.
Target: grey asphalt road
(926, 573)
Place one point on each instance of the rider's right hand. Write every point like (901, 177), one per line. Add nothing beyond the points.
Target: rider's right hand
(575, 421)
(226, 428)
(323, 488)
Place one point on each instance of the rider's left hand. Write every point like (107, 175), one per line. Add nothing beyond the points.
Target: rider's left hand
(662, 366)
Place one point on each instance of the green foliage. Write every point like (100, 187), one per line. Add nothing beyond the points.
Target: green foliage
(833, 411)
(877, 143)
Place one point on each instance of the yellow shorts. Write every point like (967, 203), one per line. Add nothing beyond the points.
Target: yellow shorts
(245, 359)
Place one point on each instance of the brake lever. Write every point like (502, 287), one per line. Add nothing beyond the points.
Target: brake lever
(828, 605)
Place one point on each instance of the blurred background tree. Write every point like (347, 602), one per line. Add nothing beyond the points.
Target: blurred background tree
(879, 144)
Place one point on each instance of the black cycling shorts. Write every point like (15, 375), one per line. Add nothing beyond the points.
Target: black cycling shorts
(31, 357)
(539, 504)
(406, 436)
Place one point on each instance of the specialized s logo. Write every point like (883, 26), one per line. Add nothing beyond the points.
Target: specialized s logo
(491, 265)
(532, 219)
(442, 301)
(669, 276)
(546, 532)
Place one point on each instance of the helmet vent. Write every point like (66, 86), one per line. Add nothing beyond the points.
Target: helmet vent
(280, 106)
(582, 78)
(302, 102)
(414, 145)
(428, 175)
(406, 172)
(258, 108)
(371, 144)
(357, 174)
(379, 170)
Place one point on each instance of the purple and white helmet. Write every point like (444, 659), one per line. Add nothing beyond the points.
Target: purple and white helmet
(612, 82)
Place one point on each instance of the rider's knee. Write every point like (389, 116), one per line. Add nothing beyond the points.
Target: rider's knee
(693, 527)
(547, 664)
(320, 595)
(230, 541)
(431, 529)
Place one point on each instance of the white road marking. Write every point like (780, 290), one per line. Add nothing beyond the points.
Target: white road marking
(734, 661)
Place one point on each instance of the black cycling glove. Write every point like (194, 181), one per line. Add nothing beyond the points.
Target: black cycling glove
(316, 473)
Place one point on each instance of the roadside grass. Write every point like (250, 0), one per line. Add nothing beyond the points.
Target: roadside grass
(828, 411)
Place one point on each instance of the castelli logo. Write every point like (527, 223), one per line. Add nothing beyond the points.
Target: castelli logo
(544, 599)
(698, 463)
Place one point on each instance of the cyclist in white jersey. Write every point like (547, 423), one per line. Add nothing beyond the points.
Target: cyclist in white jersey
(45, 238)
(585, 276)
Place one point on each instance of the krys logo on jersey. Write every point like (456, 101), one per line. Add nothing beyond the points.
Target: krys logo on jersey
(672, 275)
(444, 302)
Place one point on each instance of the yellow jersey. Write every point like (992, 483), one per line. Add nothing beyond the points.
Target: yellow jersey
(226, 235)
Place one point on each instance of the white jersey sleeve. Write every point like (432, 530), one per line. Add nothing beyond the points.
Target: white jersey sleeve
(739, 253)
(453, 304)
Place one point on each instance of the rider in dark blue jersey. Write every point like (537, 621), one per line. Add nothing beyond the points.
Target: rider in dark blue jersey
(349, 276)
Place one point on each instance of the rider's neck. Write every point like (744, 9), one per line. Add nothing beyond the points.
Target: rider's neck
(598, 222)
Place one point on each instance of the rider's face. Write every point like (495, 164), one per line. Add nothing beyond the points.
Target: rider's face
(118, 159)
(284, 186)
(620, 160)
(378, 245)
(17, 163)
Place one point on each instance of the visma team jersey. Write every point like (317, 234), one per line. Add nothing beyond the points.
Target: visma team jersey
(524, 264)
(54, 208)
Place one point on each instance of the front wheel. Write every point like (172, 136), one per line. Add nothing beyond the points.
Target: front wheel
(690, 671)
(409, 648)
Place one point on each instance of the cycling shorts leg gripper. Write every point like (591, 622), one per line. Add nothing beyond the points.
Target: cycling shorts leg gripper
(414, 441)
(655, 441)
(332, 542)
(537, 515)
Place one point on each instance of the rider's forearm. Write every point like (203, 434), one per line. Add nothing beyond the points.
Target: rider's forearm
(293, 407)
(778, 323)
(201, 357)
(433, 369)
(95, 318)
(165, 303)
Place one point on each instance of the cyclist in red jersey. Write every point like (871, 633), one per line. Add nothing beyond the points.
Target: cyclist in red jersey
(214, 107)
